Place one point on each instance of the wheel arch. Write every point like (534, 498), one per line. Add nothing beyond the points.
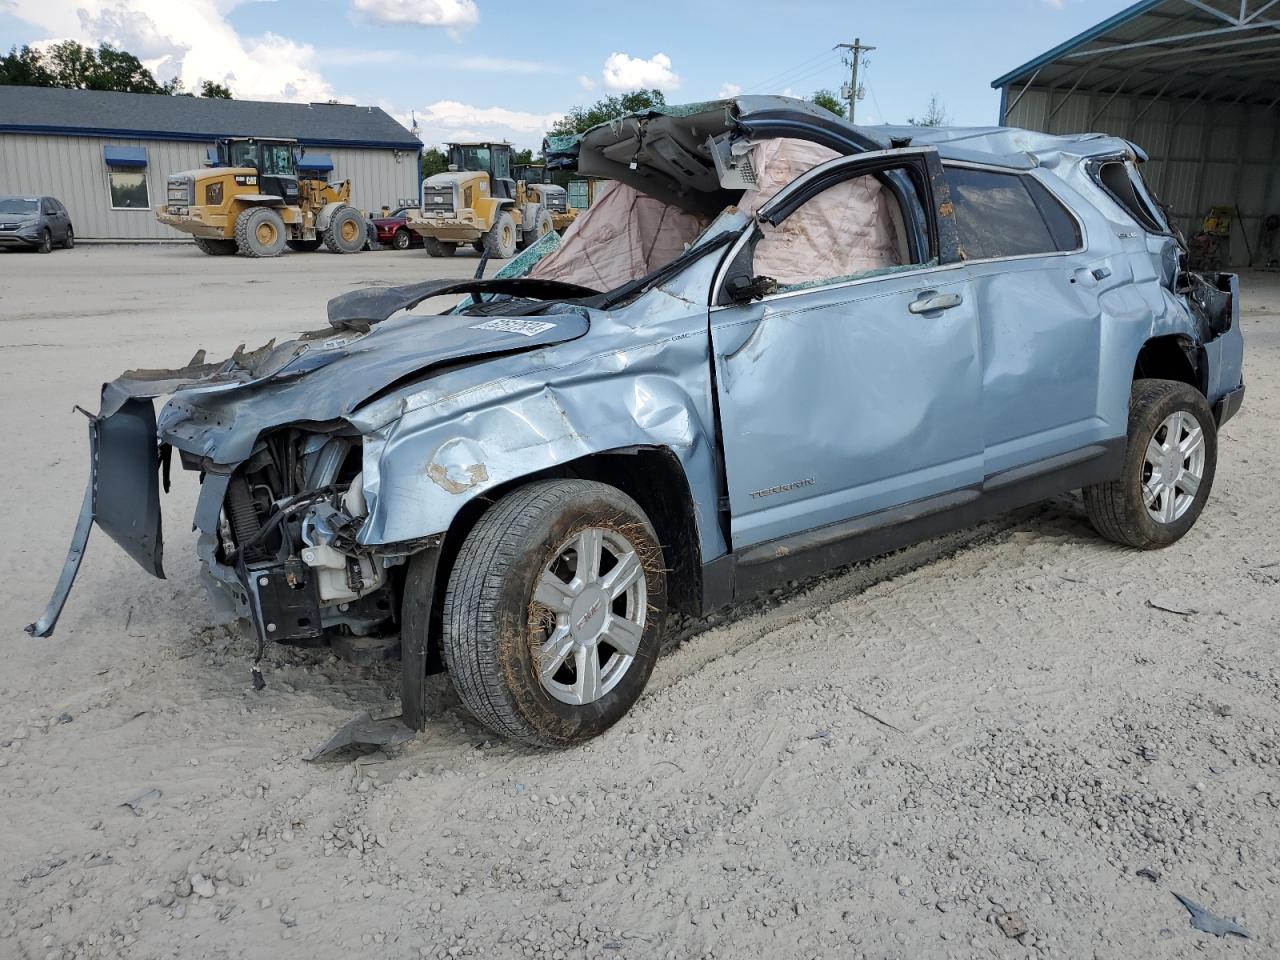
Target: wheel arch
(1174, 356)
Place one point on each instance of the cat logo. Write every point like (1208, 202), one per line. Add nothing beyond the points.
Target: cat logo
(246, 179)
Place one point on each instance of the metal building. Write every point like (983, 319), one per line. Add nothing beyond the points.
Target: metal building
(106, 156)
(1194, 83)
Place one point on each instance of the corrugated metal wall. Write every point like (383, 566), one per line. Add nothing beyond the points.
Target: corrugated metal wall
(1202, 154)
(72, 169)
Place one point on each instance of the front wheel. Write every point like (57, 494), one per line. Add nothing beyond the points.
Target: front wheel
(553, 612)
(345, 232)
(1169, 466)
(439, 248)
(401, 239)
(46, 242)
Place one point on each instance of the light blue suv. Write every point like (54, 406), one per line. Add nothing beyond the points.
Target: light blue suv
(776, 344)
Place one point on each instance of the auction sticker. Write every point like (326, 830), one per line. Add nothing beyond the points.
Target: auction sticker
(526, 328)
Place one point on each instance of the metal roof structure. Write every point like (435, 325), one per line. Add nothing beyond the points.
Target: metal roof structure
(1212, 50)
(99, 113)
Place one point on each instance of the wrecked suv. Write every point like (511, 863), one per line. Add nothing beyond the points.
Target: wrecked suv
(776, 344)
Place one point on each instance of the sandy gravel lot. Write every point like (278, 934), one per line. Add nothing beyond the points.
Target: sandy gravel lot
(966, 750)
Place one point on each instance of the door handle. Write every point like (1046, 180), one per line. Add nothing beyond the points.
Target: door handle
(933, 302)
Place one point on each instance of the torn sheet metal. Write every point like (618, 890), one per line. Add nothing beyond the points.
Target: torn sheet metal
(363, 731)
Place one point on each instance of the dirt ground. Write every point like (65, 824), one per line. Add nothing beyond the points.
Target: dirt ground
(969, 749)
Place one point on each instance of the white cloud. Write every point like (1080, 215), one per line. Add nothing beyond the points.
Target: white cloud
(447, 120)
(489, 64)
(727, 90)
(454, 14)
(623, 72)
(191, 40)
(586, 83)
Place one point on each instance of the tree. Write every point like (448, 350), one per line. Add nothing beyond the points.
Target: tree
(433, 161)
(828, 99)
(581, 119)
(25, 68)
(935, 116)
(214, 91)
(521, 156)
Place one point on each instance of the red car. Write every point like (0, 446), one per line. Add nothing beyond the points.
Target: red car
(394, 232)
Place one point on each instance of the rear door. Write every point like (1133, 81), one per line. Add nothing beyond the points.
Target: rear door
(1036, 293)
(845, 393)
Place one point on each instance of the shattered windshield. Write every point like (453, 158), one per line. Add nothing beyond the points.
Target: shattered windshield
(17, 205)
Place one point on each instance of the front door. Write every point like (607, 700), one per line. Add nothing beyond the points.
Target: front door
(855, 386)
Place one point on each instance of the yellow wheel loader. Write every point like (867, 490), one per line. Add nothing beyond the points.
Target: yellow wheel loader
(254, 203)
(477, 201)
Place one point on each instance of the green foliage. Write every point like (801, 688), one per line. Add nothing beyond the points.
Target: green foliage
(74, 66)
(25, 68)
(521, 156)
(935, 116)
(433, 161)
(580, 119)
(829, 100)
(215, 91)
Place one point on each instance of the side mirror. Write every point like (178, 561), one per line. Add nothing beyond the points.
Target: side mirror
(745, 289)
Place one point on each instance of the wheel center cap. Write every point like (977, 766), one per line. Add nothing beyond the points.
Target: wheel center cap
(1171, 469)
(588, 613)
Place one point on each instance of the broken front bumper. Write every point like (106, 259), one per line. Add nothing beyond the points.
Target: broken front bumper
(122, 497)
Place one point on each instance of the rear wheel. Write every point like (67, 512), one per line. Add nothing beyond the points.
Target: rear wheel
(500, 241)
(260, 232)
(345, 232)
(541, 227)
(439, 248)
(401, 239)
(304, 246)
(70, 240)
(554, 609)
(1168, 471)
(46, 242)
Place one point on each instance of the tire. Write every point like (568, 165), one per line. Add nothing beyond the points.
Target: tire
(304, 246)
(1140, 509)
(46, 242)
(69, 241)
(216, 248)
(346, 231)
(495, 620)
(541, 227)
(401, 239)
(501, 239)
(260, 232)
(439, 248)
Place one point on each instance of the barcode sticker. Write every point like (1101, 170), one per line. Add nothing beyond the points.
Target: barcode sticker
(527, 328)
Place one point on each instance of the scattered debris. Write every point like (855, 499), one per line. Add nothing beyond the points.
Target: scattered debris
(42, 870)
(1202, 919)
(1172, 606)
(139, 803)
(1011, 925)
(1149, 873)
(363, 731)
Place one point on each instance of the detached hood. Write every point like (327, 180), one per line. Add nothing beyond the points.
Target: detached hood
(218, 409)
(684, 155)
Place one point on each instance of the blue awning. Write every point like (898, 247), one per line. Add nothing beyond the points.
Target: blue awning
(316, 161)
(125, 156)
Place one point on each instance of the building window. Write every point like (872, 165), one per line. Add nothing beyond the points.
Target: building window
(128, 188)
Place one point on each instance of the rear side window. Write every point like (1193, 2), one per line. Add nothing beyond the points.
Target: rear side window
(1008, 215)
(1115, 178)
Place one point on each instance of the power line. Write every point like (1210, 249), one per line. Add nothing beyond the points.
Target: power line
(785, 76)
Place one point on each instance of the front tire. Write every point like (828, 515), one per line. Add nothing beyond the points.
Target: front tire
(553, 612)
(439, 248)
(401, 239)
(46, 242)
(501, 239)
(260, 232)
(215, 248)
(346, 231)
(1169, 466)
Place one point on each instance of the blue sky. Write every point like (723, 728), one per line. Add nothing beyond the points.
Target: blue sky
(501, 68)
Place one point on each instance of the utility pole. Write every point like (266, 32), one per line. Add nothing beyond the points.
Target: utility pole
(856, 50)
